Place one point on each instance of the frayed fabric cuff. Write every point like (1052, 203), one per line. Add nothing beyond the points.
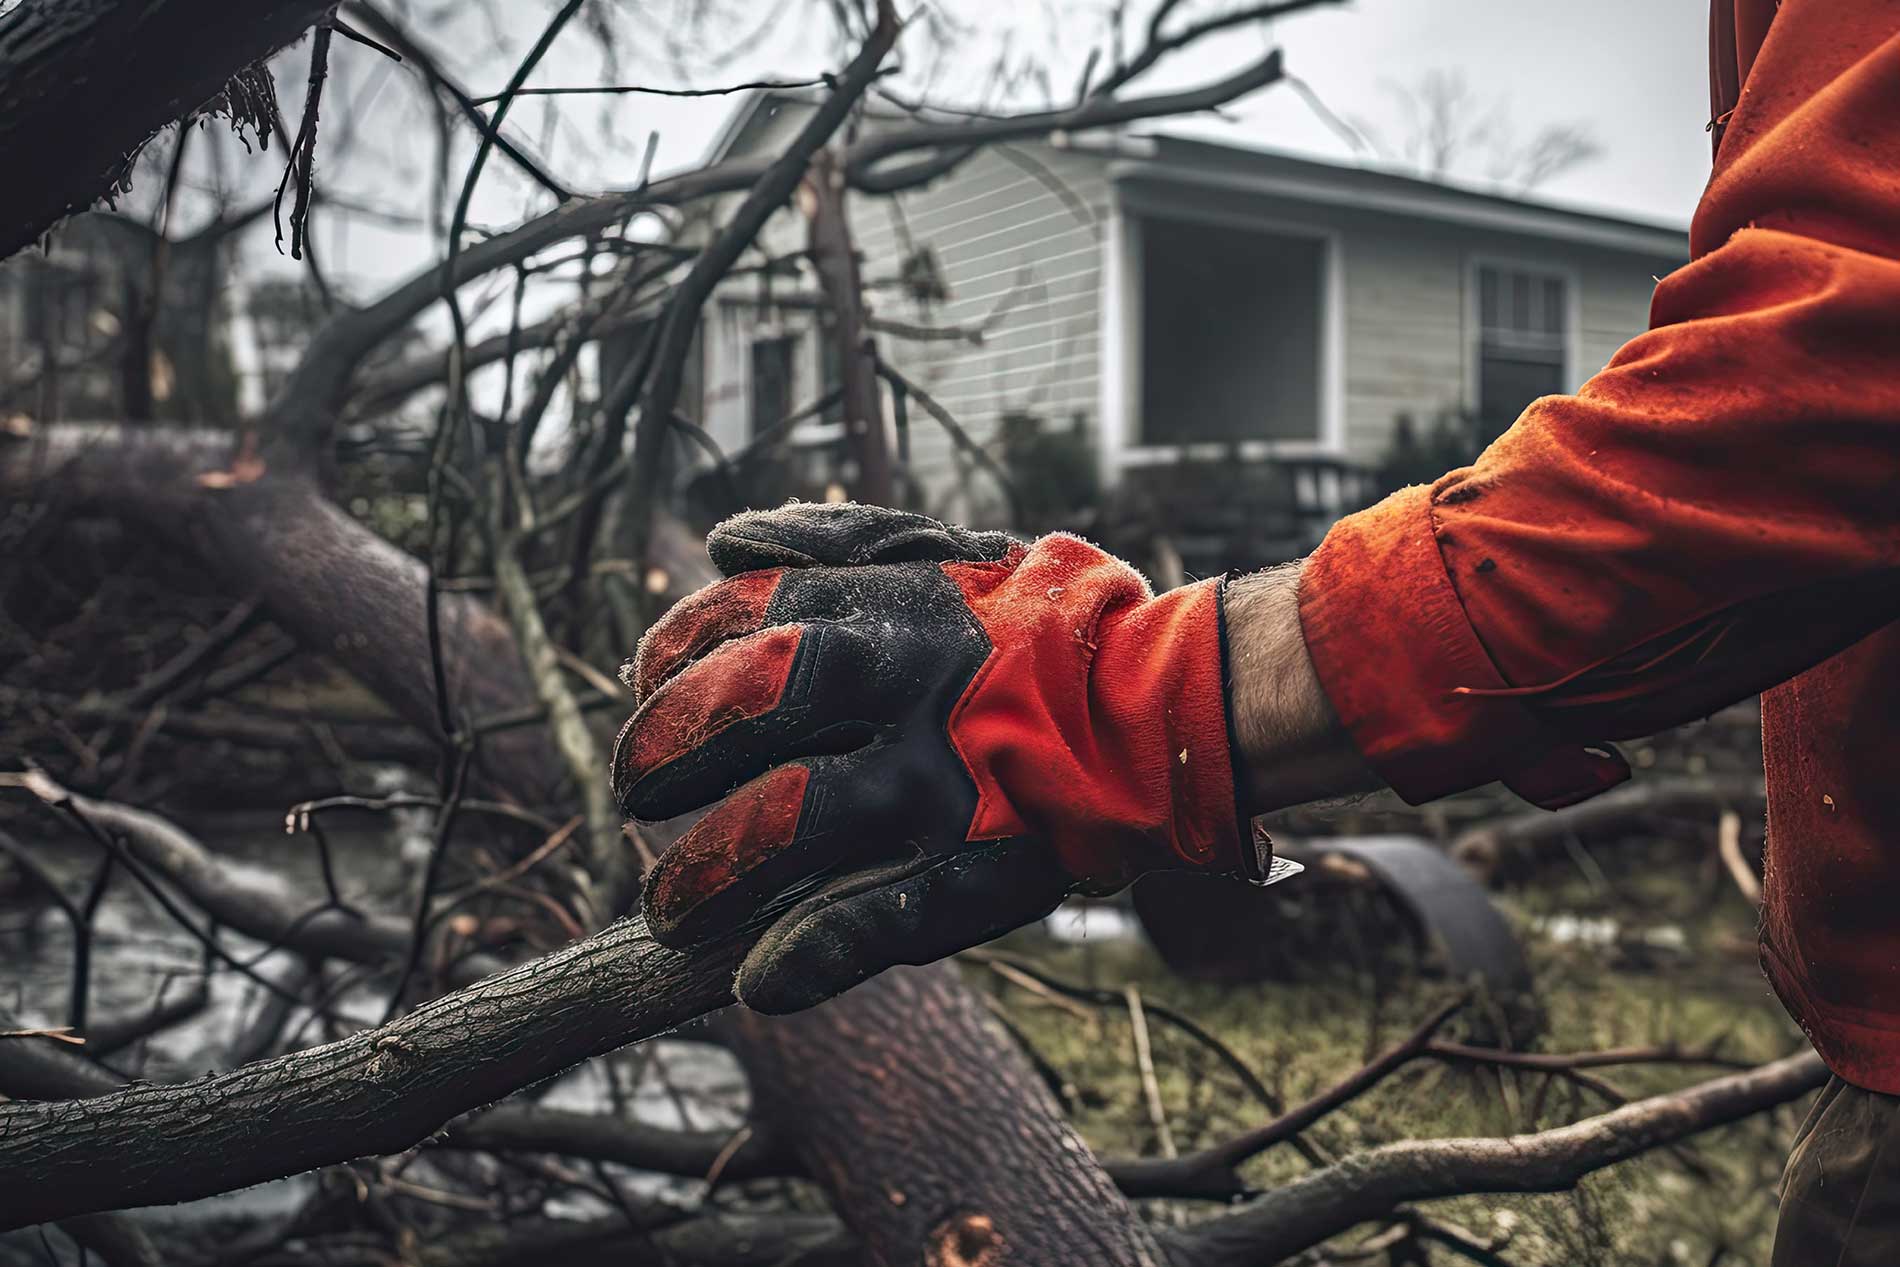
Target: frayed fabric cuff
(1405, 671)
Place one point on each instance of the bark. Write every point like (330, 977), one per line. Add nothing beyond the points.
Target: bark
(835, 259)
(934, 1137)
(41, 1069)
(714, 1240)
(379, 1091)
(85, 82)
(1371, 1184)
(944, 1071)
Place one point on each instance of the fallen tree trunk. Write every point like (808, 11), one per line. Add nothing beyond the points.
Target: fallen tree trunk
(375, 1092)
(85, 82)
(934, 1136)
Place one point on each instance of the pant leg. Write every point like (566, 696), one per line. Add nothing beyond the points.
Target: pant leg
(1840, 1193)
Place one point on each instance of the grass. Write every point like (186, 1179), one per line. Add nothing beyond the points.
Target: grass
(1711, 1202)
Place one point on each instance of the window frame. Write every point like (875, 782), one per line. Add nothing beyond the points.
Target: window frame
(1122, 345)
(1572, 344)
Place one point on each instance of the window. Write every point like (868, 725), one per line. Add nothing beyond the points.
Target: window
(1230, 334)
(771, 382)
(1523, 342)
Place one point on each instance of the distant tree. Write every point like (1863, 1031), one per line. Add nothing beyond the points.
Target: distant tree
(1444, 129)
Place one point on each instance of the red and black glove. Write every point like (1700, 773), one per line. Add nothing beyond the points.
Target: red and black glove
(923, 737)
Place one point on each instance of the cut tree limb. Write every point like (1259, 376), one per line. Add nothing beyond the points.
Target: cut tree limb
(379, 1091)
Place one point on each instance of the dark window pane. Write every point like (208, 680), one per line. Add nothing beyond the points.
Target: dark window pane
(1488, 298)
(1230, 334)
(1553, 305)
(771, 382)
(1506, 384)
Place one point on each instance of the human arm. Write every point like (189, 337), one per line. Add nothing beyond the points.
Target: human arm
(1715, 511)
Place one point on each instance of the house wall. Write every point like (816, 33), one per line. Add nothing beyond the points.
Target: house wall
(1018, 235)
(1405, 287)
(1031, 243)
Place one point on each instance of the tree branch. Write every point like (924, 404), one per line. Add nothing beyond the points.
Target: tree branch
(379, 1091)
(426, 63)
(1370, 1185)
(681, 319)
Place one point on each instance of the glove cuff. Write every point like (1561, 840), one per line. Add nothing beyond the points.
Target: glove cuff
(1098, 722)
(1187, 676)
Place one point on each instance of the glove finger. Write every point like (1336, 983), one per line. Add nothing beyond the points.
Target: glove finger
(761, 845)
(786, 692)
(698, 623)
(844, 534)
(861, 924)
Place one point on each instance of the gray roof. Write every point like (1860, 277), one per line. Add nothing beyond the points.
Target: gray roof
(1158, 157)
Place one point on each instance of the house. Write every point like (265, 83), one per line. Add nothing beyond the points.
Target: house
(81, 336)
(1185, 306)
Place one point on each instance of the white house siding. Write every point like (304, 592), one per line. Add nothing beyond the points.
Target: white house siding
(1408, 330)
(1017, 235)
(1615, 305)
(1037, 220)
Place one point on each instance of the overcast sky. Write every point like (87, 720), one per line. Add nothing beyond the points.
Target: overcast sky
(1632, 71)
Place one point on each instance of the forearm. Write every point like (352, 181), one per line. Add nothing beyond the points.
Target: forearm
(1291, 742)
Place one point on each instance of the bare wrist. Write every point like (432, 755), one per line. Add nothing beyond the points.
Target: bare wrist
(1293, 745)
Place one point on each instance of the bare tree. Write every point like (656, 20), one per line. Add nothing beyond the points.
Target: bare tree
(1442, 128)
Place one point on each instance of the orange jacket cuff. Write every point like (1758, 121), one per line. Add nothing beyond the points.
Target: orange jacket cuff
(1399, 660)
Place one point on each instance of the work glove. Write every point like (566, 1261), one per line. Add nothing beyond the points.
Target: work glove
(919, 737)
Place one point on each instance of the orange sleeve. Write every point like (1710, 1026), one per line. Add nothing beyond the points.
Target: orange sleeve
(1715, 511)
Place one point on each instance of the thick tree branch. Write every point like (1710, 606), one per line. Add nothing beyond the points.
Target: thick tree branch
(249, 904)
(1484, 846)
(523, 1128)
(379, 1091)
(863, 161)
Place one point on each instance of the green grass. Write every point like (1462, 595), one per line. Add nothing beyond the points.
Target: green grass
(1304, 1034)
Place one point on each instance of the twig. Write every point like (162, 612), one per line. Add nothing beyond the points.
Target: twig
(229, 628)
(1160, 45)
(431, 68)
(438, 852)
(761, 85)
(962, 438)
(301, 167)
(1728, 843)
(1370, 1185)
(1145, 1065)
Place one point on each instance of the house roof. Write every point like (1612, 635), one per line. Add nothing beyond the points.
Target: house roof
(1163, 158)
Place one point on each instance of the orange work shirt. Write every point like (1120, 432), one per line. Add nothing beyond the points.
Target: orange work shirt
(1715, 514)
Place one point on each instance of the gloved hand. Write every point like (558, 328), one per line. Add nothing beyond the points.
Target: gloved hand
(924, 737)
